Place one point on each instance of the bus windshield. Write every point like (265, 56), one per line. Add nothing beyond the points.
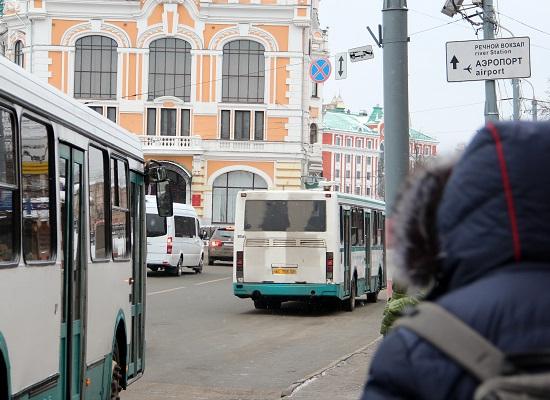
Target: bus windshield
(156, 225)
(285, 215)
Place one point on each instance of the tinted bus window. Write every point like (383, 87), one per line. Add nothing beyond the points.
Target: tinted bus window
(120, 211)
(156, 225)
(8, 242)
(98, 169)
(38, 232)
(285, 215)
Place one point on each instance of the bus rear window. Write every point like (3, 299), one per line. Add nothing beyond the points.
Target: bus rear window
(156, 226)
(285, 215)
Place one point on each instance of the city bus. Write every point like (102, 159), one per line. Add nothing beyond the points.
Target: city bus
(307, 245)
(72, 245)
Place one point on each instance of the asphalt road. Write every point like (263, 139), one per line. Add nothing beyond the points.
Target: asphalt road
(205, 343)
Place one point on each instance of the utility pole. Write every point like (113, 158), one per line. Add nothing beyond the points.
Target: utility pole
(491, 110)
(396, 114)
(396, 98)
(515, 99)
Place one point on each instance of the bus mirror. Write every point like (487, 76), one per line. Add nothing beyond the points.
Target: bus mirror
(165, 205)
(156, 174)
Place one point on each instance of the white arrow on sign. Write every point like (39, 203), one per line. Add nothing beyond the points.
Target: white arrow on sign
(361, 53)
(341, 66)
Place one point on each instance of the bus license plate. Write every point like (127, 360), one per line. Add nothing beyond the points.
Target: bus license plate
(284, 270)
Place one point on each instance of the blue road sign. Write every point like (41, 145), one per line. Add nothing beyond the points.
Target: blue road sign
(319, 70)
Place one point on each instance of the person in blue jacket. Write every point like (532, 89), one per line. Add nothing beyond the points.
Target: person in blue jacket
(487, 261)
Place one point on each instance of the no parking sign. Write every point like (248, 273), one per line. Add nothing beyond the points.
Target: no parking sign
(319, 70)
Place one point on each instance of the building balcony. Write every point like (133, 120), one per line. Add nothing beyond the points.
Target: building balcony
(195, 145)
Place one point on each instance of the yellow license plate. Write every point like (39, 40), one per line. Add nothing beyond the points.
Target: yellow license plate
(284, 271)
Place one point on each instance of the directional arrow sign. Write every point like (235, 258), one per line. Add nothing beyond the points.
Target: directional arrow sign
(361, 53)
(341, 66)
(477, 60)
(454, 61)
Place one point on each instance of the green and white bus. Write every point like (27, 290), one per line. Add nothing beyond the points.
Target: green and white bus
(72, 243)
(304, 245)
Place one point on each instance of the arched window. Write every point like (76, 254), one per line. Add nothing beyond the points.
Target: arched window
(313, 133)
(224, 193)
(170, 69)
(243, 72)
(18, 56)
(178, 183)
(95, 68)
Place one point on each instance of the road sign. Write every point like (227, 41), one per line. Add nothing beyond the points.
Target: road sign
(361, 53)
(341, 65)
(477, 60)
(319, 70)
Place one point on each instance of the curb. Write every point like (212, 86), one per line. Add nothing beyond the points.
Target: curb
(297, 384)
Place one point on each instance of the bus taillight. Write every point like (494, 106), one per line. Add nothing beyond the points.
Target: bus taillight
(239, 264)
(330, 265)
(169, 245)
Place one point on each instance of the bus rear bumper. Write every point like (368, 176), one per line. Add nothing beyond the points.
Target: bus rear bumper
(287, 291)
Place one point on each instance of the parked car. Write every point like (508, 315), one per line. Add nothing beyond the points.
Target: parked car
(220, 246)
(173, 243)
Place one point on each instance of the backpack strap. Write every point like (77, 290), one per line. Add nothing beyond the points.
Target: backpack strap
(455, 339)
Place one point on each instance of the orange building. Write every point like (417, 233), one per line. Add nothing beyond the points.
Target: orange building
(218, 90)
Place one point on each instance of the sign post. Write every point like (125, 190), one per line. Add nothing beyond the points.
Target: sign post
(478, 60)
(341, 63)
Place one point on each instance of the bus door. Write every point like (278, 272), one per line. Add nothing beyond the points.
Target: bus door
(137, 204)
(347, 251)
(71, 161)
(368, 258)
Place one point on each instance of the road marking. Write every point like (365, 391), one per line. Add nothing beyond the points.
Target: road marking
(215, 280)
(165, 291)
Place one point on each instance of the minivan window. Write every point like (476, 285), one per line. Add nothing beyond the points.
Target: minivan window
(184, 226)
(156, 225)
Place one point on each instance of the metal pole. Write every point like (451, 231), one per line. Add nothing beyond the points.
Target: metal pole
(396, 114)
(515, 98)
(491, 110)
(396, 98)
(534, 109)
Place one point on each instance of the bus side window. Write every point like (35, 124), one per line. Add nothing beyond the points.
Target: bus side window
(382, 229)
(9, 194)
(98, 169)
(39, 230)
(375, 228)
(120, 211)
(361, 227)
(341, 225)
(354, 227)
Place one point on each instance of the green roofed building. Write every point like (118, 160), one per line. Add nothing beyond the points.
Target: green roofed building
(353, 149)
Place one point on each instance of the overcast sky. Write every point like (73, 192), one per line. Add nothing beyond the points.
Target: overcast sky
(451, 112)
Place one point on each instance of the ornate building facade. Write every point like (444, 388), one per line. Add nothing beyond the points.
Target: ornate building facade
(353, 149)
(217, 89)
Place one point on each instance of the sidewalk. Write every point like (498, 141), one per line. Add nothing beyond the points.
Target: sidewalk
(345, 377)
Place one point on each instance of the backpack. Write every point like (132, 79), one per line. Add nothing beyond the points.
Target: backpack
(501, 376)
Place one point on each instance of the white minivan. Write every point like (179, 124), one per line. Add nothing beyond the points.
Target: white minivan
(173, 243)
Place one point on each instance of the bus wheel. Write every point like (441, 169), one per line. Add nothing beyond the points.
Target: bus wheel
(349, 303)
(116, 377)
(3, 379)
(260, 305)
(373, 296)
